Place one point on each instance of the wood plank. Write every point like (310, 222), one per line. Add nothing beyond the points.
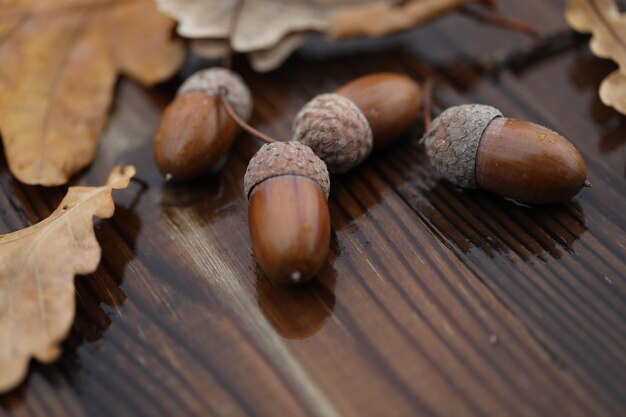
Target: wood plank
(434, 302)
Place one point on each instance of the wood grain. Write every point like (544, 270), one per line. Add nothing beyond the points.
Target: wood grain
(435, 301)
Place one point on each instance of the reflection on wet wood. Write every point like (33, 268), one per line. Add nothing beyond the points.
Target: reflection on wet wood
(434, 301)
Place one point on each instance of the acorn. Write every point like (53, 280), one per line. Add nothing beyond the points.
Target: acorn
(389, 101)
(369, 112)
(475, 146)
(195, 131)
(287, 186)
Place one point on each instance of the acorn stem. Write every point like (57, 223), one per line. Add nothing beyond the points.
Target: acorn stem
(427, 95)
(223, 94)
(427, 103)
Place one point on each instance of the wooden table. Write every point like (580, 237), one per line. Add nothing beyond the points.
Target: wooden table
(435, 301)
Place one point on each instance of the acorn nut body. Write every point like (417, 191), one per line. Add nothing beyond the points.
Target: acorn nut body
(287, 186)
(195, 131)
(369, 112)
(474, 146)
(389, 101)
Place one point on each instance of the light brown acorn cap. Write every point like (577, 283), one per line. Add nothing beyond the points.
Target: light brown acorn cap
(453, 139)
(337, 131)
(285, 158)
(211, 79)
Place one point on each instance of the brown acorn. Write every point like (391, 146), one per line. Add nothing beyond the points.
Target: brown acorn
(195, 131)
(369, 112)
(389, 101)
(474, 146)
(287, 186)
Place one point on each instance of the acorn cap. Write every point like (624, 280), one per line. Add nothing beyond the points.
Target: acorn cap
(285, 158)
(337, 131)
(211, 79)
(453, 139)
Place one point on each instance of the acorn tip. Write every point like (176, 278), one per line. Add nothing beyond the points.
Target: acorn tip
(296, 276)
(587, 184)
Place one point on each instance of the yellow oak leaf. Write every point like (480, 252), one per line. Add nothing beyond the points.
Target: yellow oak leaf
(59, 60)
(607, 25)
(37, 268)
(613, 91)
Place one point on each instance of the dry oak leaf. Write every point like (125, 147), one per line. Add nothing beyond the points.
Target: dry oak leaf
(380, 19)
(59, 60)
(607, 25)
(37, 268)
(269, 30)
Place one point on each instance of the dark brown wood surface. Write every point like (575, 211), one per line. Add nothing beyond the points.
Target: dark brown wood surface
(435, 301)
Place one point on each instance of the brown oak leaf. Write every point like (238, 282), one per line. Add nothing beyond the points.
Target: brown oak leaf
(607, 25)
(59, 60)
(380, 19)
(269, 30)
(37, 268)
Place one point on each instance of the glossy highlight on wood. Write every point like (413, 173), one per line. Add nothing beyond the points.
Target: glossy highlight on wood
(389, 101)
(289, 228)
(194, 134)
(528, 163)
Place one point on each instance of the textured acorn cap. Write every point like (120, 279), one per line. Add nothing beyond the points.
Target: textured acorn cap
(210, 80)
(285, 158)
(453, 139)
(337, 131)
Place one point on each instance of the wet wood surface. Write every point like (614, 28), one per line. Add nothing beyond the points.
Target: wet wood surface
(435, 301)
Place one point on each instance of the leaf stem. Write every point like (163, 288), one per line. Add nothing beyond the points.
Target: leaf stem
(500, 20)
(520, 58)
